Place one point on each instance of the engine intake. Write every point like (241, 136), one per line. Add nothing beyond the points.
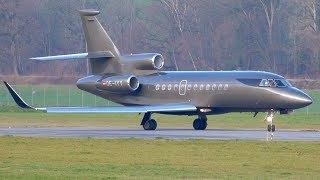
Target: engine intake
(119, 84)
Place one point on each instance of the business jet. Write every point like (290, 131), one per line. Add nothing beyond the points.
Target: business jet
(137, 82)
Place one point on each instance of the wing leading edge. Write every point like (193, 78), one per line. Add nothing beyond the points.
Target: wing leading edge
(118, 109)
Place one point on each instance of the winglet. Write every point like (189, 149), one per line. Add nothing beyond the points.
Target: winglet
(17, 98)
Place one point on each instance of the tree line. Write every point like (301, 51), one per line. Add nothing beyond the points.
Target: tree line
(267, 35)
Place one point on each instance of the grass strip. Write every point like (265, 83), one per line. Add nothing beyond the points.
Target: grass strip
(231, 120)
(56, 158)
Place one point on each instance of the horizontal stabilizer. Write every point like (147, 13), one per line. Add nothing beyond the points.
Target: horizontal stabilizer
(118, 109)
(93, 55)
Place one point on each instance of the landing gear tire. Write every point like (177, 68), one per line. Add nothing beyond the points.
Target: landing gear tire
(150, 125)
(271, 128)
(204, 125)
(197, 124)
(200, 124)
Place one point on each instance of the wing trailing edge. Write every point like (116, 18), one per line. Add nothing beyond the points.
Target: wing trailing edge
(118, 109)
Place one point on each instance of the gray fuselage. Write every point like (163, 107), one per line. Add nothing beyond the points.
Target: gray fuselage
(211, 92)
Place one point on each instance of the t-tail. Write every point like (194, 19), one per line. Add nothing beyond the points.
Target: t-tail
(103, 55)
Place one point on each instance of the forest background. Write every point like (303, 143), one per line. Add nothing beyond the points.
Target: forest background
(280, 36)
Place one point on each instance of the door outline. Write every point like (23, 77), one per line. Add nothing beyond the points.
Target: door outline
(183, 87)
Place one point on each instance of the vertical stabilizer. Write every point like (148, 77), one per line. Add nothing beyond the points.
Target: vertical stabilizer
(98, 41)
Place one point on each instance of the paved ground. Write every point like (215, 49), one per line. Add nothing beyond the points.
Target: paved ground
(168, 133)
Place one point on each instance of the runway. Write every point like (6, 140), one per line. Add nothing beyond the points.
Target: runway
(166, 133)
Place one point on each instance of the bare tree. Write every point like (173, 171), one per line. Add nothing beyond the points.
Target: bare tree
(13, 27)
(269, 10)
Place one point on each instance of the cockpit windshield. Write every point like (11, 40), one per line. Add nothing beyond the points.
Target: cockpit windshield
(281, 83)
(264, 83)
(274, 83)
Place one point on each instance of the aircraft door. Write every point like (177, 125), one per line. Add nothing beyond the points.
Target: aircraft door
(183, 87)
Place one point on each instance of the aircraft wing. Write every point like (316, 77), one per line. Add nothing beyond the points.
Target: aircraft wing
(119, 109)
(128, 109)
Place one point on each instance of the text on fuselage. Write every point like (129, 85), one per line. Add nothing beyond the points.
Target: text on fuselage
(112, 83)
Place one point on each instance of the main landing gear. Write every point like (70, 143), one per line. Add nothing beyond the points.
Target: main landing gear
(148, 123)
(271, 127)
(200, 123)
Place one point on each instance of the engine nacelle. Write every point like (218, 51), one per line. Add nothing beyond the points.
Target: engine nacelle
(119, 84)
(145, 61)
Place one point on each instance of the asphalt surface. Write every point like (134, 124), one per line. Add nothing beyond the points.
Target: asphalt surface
(167, 133)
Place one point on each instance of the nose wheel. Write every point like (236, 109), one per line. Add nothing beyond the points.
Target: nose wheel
(200, 123)
(271, 127)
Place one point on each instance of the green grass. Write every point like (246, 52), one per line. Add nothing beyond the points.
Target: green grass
(51, 158)
(52, 95)
(231, 120)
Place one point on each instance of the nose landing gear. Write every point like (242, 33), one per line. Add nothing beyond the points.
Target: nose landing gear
(271, 127)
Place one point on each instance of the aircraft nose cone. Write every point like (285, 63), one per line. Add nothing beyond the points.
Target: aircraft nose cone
(302, 99)
(307, 100)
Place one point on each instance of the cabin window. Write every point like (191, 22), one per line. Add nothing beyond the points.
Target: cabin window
(208, 87)
(201, 87)
(195, 87)
(189, 87)
(214, 87)
(169, 87)
(175, 88)
(226, 87)
(157, 87)
(163, 87)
